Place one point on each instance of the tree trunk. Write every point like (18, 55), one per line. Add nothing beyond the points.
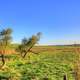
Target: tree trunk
(3, 60)
(28, 50)
(65, 77)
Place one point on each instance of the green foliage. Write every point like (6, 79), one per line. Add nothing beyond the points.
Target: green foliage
(27, 44)
(5, 37)
(46, 66)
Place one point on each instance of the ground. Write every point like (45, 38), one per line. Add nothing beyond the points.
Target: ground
(52, 63)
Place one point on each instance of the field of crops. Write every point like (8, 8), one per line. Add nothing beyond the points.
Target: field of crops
(50, 64)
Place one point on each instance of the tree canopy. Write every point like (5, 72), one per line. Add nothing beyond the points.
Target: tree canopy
(27, 44)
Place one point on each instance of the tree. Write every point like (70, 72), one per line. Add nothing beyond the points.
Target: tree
(24, 41)
(27, 44)
(6, 36)
(5, 40)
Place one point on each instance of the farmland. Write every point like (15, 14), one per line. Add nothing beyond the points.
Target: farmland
(51, 63)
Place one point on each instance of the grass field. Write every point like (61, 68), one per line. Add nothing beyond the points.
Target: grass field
(52, 63)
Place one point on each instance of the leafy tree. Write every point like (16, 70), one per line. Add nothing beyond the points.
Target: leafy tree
(6, 36)
(24, 41)
(27, 44)
(5, 40)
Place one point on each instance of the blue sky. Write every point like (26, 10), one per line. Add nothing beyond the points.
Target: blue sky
(58, 20)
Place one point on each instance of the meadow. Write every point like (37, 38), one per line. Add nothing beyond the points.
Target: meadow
(52, 63)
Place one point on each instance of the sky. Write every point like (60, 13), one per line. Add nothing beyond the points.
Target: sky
(58, 20)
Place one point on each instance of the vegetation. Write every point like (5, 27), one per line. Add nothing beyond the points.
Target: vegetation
(46, 65)
(27, 44)
(5, 39)
(51, 63)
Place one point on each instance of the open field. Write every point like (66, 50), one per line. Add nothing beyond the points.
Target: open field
(52, 63)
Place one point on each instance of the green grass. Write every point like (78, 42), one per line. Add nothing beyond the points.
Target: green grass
(45, 66)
